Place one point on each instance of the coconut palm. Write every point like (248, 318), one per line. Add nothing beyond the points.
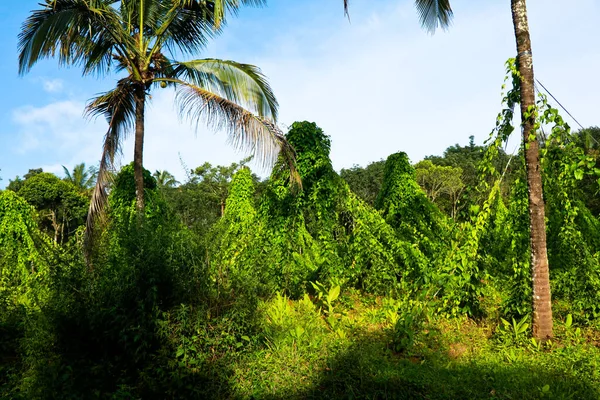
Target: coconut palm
(81, 177)
(542, 300)
(438, 13)
(164, 179)
(140, 40)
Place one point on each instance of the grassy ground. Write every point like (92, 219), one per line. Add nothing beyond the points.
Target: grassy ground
(355, 347)
(357, 353)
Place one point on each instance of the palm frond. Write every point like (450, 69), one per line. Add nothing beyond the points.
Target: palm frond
(189, 24)
(85, 32)
(224, 7)
(242, 84)
(164, 179)
(246, 131)
(68, 176)
(434, 14)
(91, 174)
(81, 177)
(185, 27)
(118, 107)
(153, 12)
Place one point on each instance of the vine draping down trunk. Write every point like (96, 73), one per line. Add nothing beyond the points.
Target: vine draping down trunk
(542, 306)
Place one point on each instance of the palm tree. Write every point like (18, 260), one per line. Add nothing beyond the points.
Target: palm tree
(434, 13)
(139, 39)
(83, 179)
(542, 299)
(164, 179)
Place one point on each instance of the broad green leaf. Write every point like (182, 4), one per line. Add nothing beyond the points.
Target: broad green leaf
(333, 294)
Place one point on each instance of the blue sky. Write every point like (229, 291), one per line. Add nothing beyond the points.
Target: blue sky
(376, 85)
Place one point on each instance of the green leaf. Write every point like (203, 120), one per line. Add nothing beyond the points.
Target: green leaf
(334, 293)
(546, 388)
(523, 328)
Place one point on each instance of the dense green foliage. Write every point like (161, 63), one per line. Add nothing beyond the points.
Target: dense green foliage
(200, 202)
(322, 233)
(61, 206)
(22, 265)
(312, 292)
(396, 280)
(365, 182)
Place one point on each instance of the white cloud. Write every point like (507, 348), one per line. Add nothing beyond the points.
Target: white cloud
(53, 85)
(381, 84)
(377, 85)
(168, 137)
(55, 126)
(56, 169)
(58, 134)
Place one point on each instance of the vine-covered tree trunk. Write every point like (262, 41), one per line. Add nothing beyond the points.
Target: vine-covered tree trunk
(138, 153)
(55, 226)
(542, 306)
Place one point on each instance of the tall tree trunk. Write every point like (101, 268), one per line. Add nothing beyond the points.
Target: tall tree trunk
(542, 306)
(55, 226)
(138, 153)
(62, 229)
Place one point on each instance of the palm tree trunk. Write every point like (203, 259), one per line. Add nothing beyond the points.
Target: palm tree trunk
(542, 306)
(138, 153)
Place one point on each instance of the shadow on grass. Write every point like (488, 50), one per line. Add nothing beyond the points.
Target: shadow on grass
(369, 371)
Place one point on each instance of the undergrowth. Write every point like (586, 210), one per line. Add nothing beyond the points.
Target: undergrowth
(300, 355)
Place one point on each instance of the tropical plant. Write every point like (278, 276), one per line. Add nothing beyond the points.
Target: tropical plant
(324, 233)
(22, 265)
(407, 209)
(82, 178)
(61, 206)
(434, 13)
(514, 330)
(141, 39)
(164, 179)
(326, 297)
(542, 302)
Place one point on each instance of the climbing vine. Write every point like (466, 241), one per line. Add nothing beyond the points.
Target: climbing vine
(23, 267)
(323, 232)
